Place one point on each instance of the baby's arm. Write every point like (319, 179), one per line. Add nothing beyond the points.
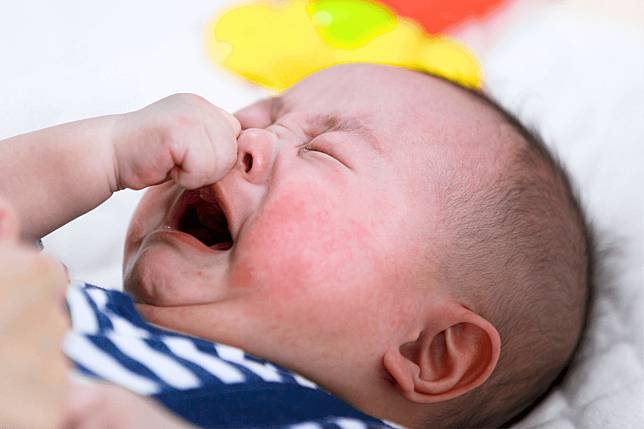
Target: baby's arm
(108, 406)
(54, 175)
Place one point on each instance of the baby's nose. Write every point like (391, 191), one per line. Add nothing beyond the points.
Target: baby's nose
(257, 149)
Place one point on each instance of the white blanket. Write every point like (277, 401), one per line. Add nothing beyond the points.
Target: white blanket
(577, 75)
(573, 69)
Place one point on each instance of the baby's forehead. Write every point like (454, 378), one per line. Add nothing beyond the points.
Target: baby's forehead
(350, 88)
(424, 125)
(389, 99)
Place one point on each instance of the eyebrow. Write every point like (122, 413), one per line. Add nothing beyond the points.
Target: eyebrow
(331, 122)
(278, 108)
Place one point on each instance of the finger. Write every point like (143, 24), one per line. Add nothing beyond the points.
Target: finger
(81, 402)
(176, 175)
(8, 222)
(205, 164)
(233, 121)
(55, 274)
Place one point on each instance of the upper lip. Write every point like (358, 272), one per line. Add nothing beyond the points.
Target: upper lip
(211, 194)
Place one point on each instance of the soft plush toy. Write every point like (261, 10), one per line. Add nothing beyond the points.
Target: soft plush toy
(275, 44)
(437, 16)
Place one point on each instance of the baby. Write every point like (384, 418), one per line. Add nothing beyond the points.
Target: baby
(398, 240)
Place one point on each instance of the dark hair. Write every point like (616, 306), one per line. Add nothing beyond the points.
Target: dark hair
(523, 250)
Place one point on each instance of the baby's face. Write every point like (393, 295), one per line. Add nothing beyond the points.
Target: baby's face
(326, 219)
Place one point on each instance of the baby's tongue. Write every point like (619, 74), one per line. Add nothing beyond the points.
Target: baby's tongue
(202, 234)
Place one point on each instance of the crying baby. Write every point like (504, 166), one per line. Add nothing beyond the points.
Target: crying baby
(396, 243)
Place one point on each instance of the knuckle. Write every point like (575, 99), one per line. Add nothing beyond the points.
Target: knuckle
(172, 133)
(190, 104)
(188, 98)
(180, 126)
(49, 267)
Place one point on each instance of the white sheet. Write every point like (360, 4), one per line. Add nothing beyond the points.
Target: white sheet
(575, 71)
(577, 74)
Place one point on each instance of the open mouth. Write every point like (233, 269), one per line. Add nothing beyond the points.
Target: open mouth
(206, 221)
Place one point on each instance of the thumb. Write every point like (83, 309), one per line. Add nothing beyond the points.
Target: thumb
(207, 158)
(81, 400)
(233, 121)
(8, 221)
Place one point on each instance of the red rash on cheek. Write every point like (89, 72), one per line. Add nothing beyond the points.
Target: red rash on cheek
(299, 239)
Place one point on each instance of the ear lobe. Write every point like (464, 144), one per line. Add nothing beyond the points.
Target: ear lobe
(444, 364)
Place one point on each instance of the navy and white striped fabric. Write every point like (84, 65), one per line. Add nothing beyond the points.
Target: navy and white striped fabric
(209, 384)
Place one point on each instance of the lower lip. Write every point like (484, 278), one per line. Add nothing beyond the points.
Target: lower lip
(188, 239)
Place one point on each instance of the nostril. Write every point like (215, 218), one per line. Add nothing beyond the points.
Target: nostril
(247, 162)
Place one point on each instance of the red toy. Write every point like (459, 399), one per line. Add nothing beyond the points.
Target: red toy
(451, 12)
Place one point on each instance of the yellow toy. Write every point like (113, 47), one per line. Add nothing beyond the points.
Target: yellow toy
(276, 44)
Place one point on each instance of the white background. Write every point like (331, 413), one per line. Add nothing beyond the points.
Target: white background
(573, 69)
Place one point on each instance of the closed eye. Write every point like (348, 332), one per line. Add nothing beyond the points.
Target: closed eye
(315, 146)
(312, 146)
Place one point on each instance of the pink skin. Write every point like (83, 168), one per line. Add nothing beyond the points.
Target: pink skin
(325, 274)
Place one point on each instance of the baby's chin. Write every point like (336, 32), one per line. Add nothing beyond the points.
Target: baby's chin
(163, 274)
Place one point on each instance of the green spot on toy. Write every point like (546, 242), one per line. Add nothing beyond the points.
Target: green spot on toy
(350, 23)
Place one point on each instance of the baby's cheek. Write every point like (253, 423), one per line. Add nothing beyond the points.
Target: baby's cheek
(298, 244)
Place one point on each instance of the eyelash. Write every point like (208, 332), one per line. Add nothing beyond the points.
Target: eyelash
(310, 147)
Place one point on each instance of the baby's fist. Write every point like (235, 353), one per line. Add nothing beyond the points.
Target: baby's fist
(181, 137)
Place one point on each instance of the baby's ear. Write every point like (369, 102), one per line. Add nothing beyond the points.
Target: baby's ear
(455, 353)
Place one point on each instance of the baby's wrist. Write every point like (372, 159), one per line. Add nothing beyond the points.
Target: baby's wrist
(138, 150)
(119, 139)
